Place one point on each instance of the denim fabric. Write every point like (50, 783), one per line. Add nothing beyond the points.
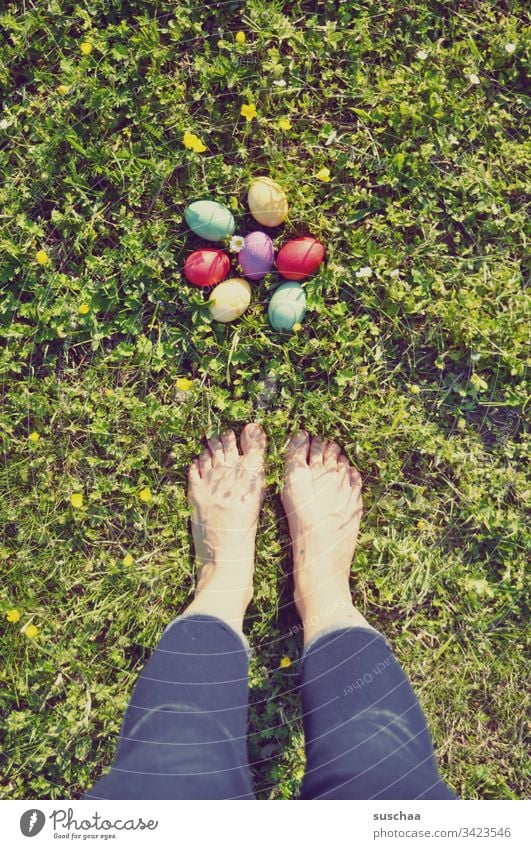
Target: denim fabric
(184, 731)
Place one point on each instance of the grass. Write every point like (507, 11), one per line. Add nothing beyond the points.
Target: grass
(419, 369)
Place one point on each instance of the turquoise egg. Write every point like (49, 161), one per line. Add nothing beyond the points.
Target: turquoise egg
(210, 220)
(287, 306)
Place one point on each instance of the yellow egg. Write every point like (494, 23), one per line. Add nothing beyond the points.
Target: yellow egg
(267, 202)
(230, 299)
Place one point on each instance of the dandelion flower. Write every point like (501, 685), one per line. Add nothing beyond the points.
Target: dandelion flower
(240, 37)
(31, 631)
(193, 142)
(414, 389)
(284, 124)
(13, 615)
(236, 244)
(128, 560)
(323, 175)
(183, 384)
(420, 524)
(34, 436)
(296, 327)
(62, 90)
(285, 662)
(84, 309)
(85, 47)
(248, 111)
(76, 500)
(145, 495)
(42, 257)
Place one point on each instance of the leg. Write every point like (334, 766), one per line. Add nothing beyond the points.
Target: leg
(366, 735)
(184, 732)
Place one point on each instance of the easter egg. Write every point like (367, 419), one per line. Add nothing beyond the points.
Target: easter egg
(267, 202)
(230, 299)
(210, 220)
(300, 257)
(256, 256)
(287, 306)
(206, 267)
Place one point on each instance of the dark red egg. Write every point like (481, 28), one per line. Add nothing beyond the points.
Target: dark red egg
(206, 267)
(299, 258)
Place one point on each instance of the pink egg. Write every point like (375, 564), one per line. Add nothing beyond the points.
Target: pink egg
(257, 255)
(206, 267)
(299, 258)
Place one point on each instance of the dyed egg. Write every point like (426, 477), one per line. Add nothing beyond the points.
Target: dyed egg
(287, 306)
(267, 202)
(206, 267)
(300, 257)
(210, 220)
(230, 299)
(256, 256)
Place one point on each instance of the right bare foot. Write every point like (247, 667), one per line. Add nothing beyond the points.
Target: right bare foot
(322, 500)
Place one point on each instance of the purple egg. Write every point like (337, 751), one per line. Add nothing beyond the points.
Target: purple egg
(257, 255)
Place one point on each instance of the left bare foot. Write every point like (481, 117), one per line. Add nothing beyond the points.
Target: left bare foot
(225, 491)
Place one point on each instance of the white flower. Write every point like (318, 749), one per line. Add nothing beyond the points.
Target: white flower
(366, 271)
(236, 244)
(394, 273)
(280, 83)
(422, 54)
(510, 47)
(474, 79)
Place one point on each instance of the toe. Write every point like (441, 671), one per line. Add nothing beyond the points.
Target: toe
(298, 446)
(230, 445)
(355, 478)
(332, 452)
(216, 449)
(194, 473)
(253, 442)
(316, 451)
(205, 462)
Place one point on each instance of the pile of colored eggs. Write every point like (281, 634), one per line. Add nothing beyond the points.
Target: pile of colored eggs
(297, 259)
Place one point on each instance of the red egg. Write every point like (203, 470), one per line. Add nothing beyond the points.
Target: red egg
(300, 257)
(206, 267)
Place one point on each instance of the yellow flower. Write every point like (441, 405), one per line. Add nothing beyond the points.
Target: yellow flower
(323, 175)
(76, 500)
(85, 47)
(42, 257)
(414, 389)
(240, 37)
(183, 384)
(285, 662)
(83, 309)
(128, 560)
(34, 436)
(296, 327)
(248, 111)
(284, 124)
(13, 615)
(62, 89)
(31, 631)
(193, 142)
(420, 524)
(145, 494)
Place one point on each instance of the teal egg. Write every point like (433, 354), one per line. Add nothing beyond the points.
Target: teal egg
(210, 220)
(287, 306)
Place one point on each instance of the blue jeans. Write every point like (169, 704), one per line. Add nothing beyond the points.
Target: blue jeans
(184, 731)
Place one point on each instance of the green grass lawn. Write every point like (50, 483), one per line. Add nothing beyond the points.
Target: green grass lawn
(417, 365)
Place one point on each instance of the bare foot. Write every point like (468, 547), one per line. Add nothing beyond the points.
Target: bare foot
(225, 492)
(323, 504)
